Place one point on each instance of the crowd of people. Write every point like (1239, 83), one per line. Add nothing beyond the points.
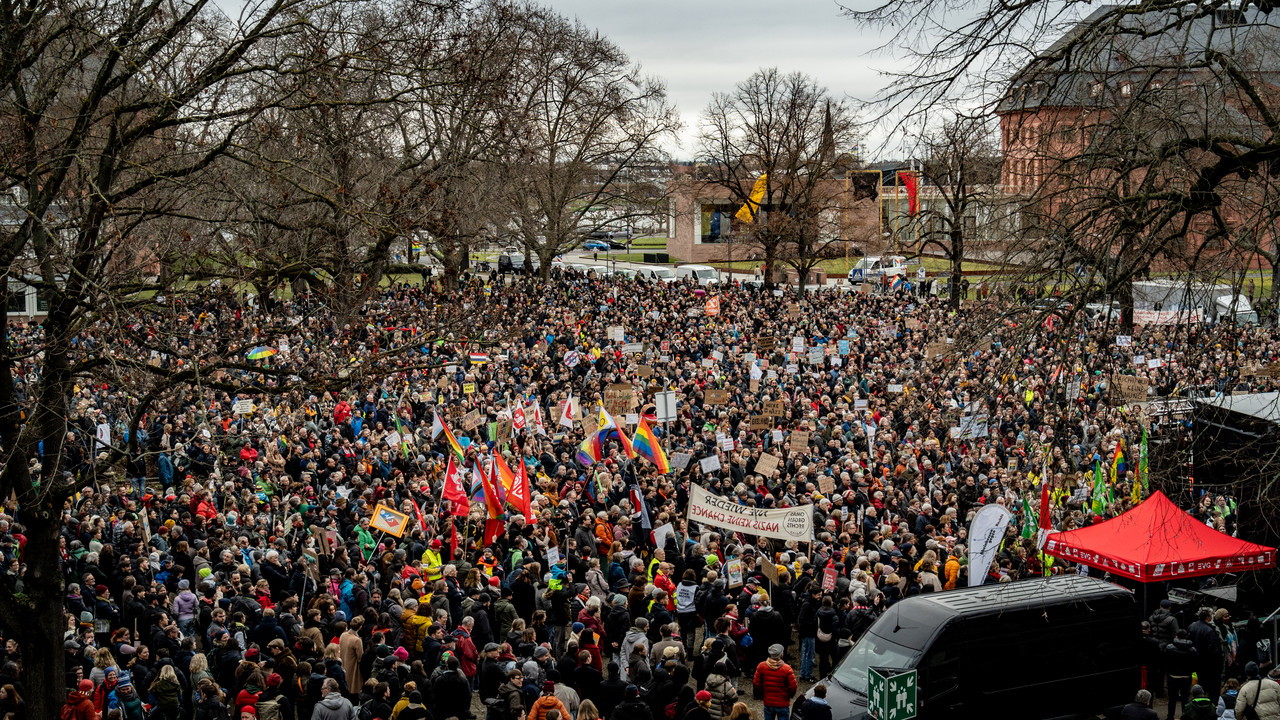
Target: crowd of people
(231, 566)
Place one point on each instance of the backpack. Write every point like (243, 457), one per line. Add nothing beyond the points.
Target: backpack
(269, 710)
(365, 712)
(670, 710)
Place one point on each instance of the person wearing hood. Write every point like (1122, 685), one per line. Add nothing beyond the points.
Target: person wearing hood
(636, 634)
(185, 607)
(775, 682)
(1180, 658)
(1200, 707)
(332, 705)
(79, 703)
(631, 707)
(720, 685)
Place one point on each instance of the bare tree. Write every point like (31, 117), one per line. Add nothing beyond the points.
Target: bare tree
(106, 108)
(962, 167)
(584, 119)
(781, 134)
(1142, 137)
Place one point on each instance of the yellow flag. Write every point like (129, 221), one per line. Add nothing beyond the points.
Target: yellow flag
(748, 210)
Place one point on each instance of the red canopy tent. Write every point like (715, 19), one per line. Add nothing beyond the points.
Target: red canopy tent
(1158, 541)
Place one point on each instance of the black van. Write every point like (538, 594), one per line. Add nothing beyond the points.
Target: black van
(1061, 646)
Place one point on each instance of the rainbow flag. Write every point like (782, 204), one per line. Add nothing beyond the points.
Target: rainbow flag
(505, 476)
(609, 427)
(1118, 464)
(438, 427)
(479, 357)
(646, 446)
(590, 451)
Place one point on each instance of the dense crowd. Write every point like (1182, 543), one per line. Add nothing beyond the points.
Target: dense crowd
(230, 565)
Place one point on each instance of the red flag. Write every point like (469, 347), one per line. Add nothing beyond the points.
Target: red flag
(418, 511)
(518, 498)
(453, 491)
(492, 529)
(517, 417)
(1044, 502)
(911, 181)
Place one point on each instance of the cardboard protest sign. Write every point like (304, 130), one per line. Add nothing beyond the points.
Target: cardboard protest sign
(1129, 388)
(767, 464)
(800, 440)
(717, 397)
(760, 422)
(775, 408)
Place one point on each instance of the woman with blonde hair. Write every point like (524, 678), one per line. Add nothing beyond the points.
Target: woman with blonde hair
(101, 661)
(200, 669)
(741, 712)
(167, 692)
(588, 711)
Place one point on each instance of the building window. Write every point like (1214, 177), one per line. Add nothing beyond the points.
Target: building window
(17, 298)
(716, 219)
(1095, 89)
(1126, 89)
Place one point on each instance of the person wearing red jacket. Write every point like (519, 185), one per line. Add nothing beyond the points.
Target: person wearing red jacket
(662, 581)
(775, 682)
(79, 704)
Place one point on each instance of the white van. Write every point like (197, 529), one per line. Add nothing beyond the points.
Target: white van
(701, 274)
(657, 274)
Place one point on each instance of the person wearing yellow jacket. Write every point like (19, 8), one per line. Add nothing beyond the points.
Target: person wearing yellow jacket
(415, 621)
(432, 562)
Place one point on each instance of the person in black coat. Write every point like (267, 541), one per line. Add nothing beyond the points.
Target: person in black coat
(631, 708)
(1139, 709)
(452, 692)
(482, 631)
(1209, 649)
(612, 690)
(586, 679)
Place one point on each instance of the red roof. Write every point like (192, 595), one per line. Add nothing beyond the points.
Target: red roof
(1158, 541)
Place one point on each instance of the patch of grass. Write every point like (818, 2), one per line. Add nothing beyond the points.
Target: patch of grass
(649, 243)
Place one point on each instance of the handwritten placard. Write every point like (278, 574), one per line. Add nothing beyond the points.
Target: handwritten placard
(767, 464)
(717, 397)
(774, 408)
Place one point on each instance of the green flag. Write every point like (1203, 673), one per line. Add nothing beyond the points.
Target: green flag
(1142, 463)
(1099, 488)
(1028, 525)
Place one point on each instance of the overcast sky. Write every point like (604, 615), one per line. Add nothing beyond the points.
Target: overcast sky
(704, 46)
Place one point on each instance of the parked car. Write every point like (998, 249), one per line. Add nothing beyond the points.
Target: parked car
(515, 262)
(658, 274)
(872, 267)
(627, 273)
(1008, 645)
(701, 274)
(595, 245)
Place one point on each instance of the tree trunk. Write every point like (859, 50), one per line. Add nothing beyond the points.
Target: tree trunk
(450, 271)
(770, 257)
(1125, 297)
(1275, 289)
(544, 263)
(35, 617)
(957, 267)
